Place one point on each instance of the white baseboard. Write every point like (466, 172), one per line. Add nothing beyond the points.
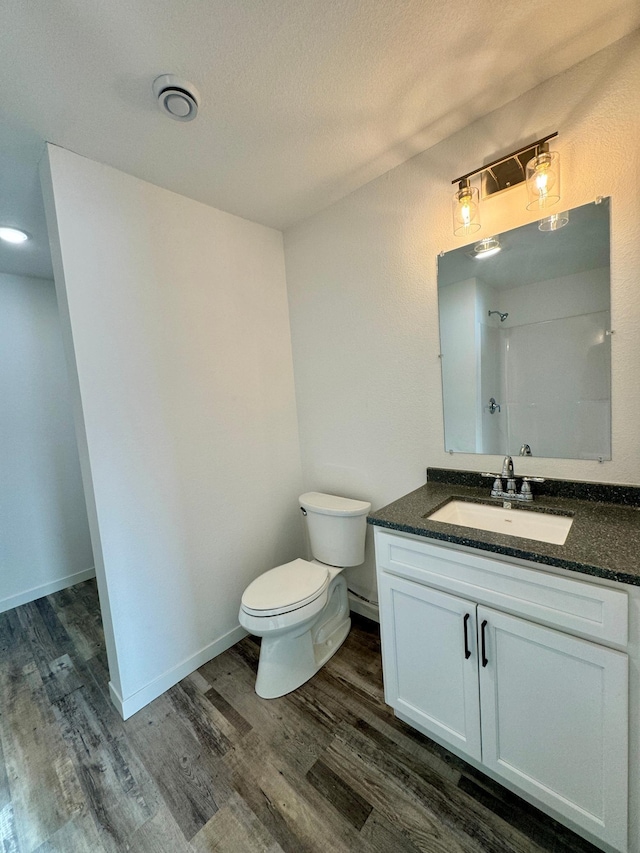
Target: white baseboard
(363, 607)
(129, 706)
(45, 589)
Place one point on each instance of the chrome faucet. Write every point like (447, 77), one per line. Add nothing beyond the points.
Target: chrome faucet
(508, 474)
(504, 484)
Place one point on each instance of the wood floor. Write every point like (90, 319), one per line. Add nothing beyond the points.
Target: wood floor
(211, 767)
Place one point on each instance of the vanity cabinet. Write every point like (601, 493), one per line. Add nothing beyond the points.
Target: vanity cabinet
(512, 668)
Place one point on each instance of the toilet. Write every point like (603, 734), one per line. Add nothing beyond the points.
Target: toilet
(301, 609)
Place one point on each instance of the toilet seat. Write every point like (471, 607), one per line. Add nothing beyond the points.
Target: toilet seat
(285, 588)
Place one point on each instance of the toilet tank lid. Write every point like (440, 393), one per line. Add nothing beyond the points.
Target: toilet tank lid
(333, 505)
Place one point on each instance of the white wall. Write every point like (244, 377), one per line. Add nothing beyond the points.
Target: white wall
(44, 535)
(177, 324)
(362, 282)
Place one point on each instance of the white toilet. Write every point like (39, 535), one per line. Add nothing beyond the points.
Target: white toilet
(301, 609)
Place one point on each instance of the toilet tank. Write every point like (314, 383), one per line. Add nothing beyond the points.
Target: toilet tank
(337, 528)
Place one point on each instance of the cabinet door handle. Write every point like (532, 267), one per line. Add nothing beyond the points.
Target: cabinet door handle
(484, 643)
(467, 651)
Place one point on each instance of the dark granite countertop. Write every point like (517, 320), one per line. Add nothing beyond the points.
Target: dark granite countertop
(604, 539)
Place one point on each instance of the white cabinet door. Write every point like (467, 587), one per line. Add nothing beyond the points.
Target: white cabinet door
(429, 644)
(554, 720)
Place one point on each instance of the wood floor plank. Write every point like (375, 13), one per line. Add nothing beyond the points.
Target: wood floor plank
(87, 592)
(341, 796)
(49, 643)
(79, 835)
(100, 745)
(44, 787)
(241, 725)
(5, 793)
(157, 835)
(105, 771)
(58, 636)
(395, 799)
(202, 715)
(281, 725)
(326, 699)
(121, 794)
(192, 781)
(15, 652)
(8, 833)
(453, 815)
(61, 678)
(196, 681)
(289, 807)
(235, 828)
(81, 622)
(385, 835)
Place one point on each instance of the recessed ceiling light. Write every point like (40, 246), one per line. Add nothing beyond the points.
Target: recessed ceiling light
(13, 235)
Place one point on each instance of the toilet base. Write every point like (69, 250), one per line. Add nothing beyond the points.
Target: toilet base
(286, 662)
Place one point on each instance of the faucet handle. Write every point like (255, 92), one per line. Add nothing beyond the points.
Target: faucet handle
(496, 489)
(525, 491)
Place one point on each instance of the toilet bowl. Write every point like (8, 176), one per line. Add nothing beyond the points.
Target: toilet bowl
(301, 609)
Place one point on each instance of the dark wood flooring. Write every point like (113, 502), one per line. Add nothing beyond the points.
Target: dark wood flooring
(211, 767)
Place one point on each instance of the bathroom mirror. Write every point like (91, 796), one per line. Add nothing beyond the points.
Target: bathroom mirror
(525, 340)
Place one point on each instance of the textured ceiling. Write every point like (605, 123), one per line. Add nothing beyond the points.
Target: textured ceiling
(302, 101)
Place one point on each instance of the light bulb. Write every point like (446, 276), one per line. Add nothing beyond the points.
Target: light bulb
(465, 212)
(541, 182)
(543, 179)
(466, 209)
(466, 219)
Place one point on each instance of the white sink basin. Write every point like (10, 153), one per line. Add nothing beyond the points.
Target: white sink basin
(542, 526)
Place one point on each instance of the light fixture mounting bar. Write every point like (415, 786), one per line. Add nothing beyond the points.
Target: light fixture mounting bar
(532, 146)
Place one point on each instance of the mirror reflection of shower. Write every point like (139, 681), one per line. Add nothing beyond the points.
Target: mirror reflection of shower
(502, 316)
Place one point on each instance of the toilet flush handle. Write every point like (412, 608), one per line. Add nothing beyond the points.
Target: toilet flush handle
(303, 510)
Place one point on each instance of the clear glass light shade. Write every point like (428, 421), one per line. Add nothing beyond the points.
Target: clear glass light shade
(487, 247)
(543, 180)
(554, 222)
(466, 210)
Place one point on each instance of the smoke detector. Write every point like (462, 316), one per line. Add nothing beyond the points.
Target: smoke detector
(176, 98)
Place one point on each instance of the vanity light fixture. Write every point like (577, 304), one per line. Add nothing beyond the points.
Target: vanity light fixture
(13, 235)
(487, 247)
(533, 163)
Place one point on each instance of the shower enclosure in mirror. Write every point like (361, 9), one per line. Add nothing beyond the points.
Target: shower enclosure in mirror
(525, 340)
